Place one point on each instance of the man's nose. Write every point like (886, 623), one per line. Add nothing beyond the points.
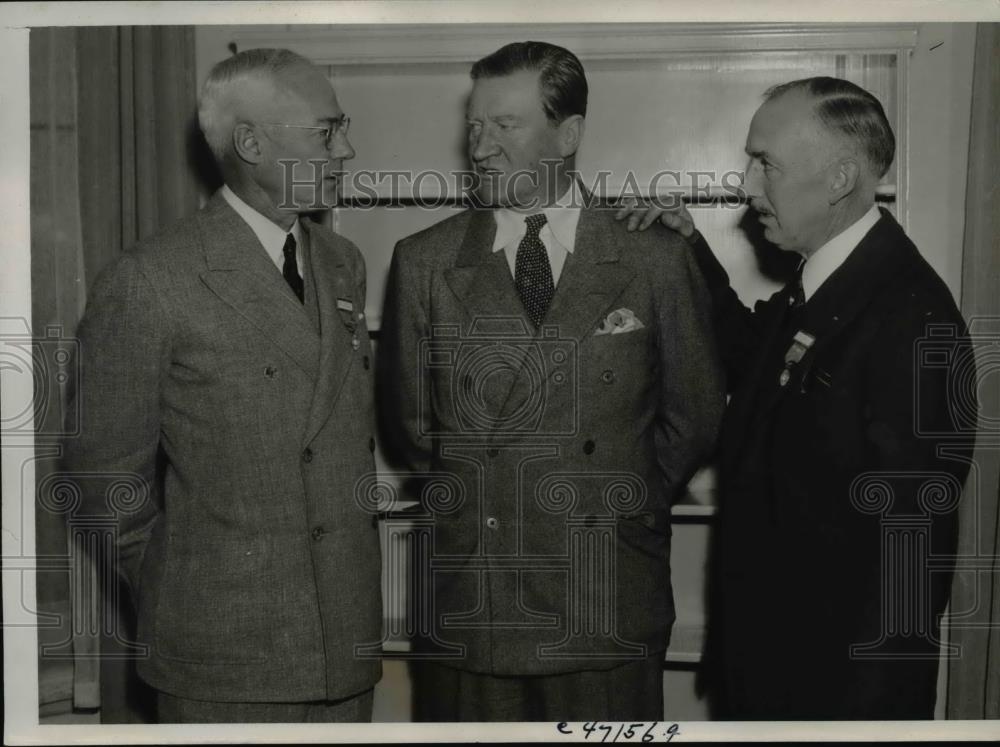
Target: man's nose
(482, 145)
(752, 181)
(340, 147)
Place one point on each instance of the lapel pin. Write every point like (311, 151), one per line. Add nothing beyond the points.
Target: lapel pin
(801, 343)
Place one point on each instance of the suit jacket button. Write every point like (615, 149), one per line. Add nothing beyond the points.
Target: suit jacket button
(588, 447)
(307, 455)
(317, 533)
(608, 376)
(270, 371)
(492, 523)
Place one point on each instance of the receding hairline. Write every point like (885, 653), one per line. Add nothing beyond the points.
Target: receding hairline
(847, 114)
(830, 136)
(263, 78)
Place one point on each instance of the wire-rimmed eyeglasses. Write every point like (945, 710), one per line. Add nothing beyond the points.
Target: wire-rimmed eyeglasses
(340, 125)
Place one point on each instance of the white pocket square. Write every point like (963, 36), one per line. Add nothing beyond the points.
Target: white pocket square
(618, 322)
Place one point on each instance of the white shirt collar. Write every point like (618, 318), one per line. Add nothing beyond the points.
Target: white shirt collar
(822, 263)
(270, 234)
(561, 219)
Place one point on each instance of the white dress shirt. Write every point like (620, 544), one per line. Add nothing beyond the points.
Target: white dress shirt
(558, 234)
(270, 234)
(822, 263)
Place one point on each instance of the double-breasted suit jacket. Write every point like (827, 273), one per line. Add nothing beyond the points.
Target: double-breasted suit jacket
(839, 499)
(549, 456)
(248, 418)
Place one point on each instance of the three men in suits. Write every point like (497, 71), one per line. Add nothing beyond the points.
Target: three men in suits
(226, 367)
(844, 448)
(552, 384)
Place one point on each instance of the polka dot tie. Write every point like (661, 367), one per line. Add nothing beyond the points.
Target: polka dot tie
(532, 272)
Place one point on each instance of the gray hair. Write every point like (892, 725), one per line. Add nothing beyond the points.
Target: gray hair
(850, 111)
(225, 84)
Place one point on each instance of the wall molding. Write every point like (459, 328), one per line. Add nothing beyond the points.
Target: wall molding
(351, 45)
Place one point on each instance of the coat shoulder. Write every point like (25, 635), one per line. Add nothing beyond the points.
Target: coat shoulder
(347, 248)
(437, 244)
(166, 253)
(658, 251)
(916, 295)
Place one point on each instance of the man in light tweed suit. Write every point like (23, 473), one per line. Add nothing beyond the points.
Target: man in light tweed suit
(226, 363)
(552, 380)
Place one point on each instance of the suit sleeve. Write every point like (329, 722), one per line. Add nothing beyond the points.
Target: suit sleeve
(737, 328)
(910, 425)
(122, 354)
(692, 396)
(401, 395)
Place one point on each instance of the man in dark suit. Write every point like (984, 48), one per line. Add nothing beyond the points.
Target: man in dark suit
(548, 379)
(844, 448)
(225, 370)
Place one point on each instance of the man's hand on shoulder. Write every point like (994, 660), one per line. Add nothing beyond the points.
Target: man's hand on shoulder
(640, 216)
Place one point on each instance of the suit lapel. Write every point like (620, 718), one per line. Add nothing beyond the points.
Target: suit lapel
(482, 282)
(591, 279)
(338, 327)
(744, 412)
(243, 276)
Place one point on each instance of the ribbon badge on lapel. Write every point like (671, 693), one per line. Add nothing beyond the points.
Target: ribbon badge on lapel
(346, 308)
(800, 345)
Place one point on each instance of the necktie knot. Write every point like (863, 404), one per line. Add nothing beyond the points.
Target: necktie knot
(289, 248)
(535, 223)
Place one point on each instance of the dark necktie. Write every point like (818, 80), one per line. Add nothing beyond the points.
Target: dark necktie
(532, 272)
(291, 268)
(797, 297)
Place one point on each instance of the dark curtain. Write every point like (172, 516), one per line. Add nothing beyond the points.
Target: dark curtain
(115, 156)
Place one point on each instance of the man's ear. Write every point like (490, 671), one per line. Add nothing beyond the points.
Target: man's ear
(245, 143)
(844, 178)
(570, 135)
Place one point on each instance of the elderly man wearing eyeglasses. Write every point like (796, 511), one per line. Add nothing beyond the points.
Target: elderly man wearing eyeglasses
(226, 369)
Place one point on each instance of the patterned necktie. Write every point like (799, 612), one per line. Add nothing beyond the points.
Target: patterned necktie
(532, 272)
(291, 268)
